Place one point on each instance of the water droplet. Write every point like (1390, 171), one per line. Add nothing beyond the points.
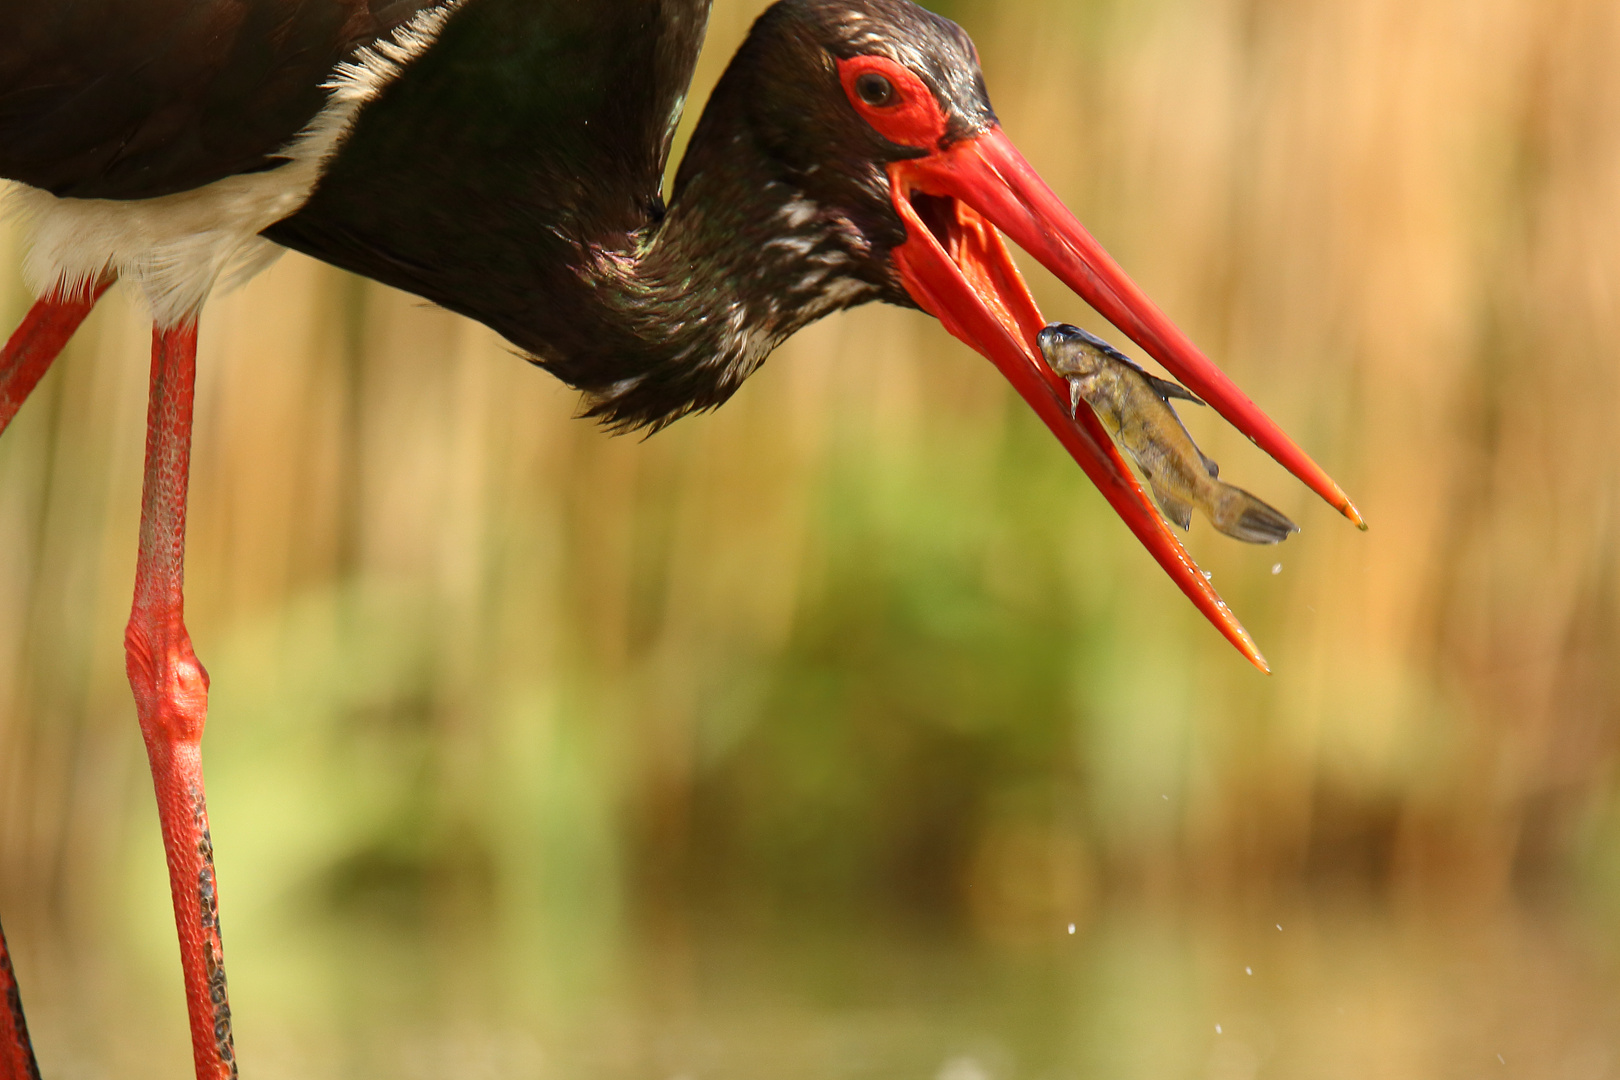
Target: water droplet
(962, 1068)
(1248, 971)
(1279, 926)
(1217, 1029)
(1209, 575)
(1071, 928)
(1276, 568)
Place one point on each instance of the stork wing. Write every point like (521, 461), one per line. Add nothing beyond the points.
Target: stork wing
(128, 99)
(530, 133)
(530, 129)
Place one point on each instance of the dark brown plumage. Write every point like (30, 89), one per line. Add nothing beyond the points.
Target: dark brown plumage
(129, 99)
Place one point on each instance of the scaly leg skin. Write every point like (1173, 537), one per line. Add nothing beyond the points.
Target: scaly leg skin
(16, 1052)
(171, 697)
(44, 330)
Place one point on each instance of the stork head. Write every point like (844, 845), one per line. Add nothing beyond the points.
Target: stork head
(868, 125)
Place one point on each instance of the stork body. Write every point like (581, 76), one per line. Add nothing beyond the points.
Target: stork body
(503, 158)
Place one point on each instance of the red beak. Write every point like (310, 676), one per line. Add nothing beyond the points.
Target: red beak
(956, 267)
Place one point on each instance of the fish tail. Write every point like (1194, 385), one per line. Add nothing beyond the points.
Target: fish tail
(1242, 516)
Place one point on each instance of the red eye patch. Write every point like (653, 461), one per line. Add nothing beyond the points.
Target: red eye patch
(910, 116)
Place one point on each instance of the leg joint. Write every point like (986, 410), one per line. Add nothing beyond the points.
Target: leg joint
(169, 682)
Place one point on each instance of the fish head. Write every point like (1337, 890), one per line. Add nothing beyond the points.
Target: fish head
(1072, 352)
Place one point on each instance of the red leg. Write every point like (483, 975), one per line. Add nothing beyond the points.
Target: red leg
(16, 1052)
(23, 362)
(171, 697)
(28, 355)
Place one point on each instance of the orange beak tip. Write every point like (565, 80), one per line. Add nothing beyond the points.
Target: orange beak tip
(1239, 636)
(1341, 502)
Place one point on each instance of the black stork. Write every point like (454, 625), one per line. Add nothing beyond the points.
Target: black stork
(504, 159)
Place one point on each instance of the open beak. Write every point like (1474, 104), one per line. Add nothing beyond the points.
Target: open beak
(957, 268)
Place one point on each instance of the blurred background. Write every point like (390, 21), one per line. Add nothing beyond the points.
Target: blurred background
(845, 732)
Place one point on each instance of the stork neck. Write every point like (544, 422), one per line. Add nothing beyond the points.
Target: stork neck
(694, 303)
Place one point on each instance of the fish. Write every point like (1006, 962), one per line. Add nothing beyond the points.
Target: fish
(1135, 408)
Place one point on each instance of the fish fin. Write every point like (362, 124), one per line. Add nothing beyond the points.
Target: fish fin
(1176, 509)
(1074, 399)
(1244, 517)
(1204, 459)
(1167, 389)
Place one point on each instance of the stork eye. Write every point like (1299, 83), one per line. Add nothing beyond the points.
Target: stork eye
(874, 89)
(890, 97)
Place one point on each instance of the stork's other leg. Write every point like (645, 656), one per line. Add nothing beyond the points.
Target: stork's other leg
(171, 697)
(16, 1052)
(23, 362)
(44, 330)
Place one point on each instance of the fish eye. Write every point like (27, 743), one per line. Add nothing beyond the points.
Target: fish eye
(874, 89)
